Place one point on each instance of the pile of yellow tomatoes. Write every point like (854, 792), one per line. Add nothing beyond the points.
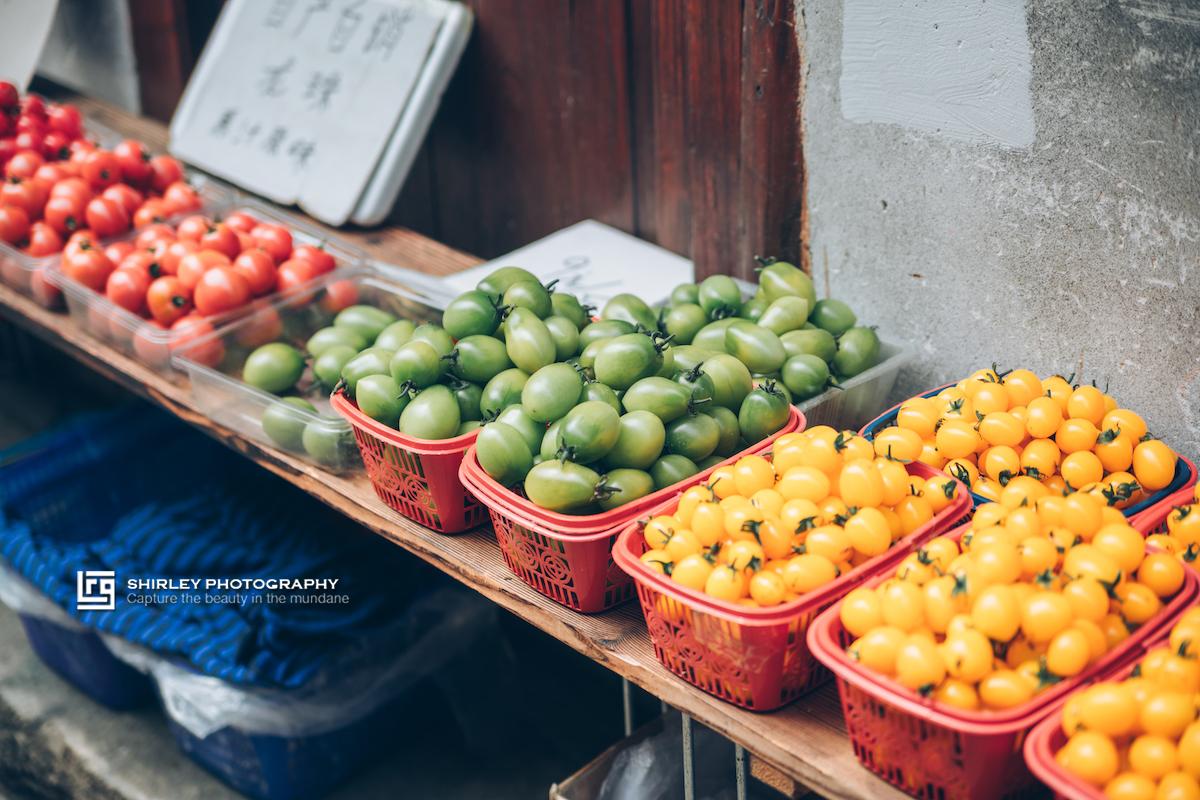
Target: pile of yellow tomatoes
(765, 531)
(1040, 586)
(993, 426)
(1182, 534)
(1140, 737)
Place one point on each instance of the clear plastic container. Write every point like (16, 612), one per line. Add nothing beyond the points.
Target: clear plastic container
(861, 398)
(32, 275)
(214, 364)
(138, 338)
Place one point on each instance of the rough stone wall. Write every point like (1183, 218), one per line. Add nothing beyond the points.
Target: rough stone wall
(936, 213)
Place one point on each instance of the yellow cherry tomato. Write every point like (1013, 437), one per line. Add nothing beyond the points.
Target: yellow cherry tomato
(868, 532)
(1127, 422)
(752, 473)
(1183, 522)
(956, 438)
(1081, 468)
(1022, 387)
(1040, 458)
(861, 611)
(903, 605)
(1130, 786)
(1115, 452)
(918, 414)
(658, 560)
(995, 612)
(877, 649)
(1003, 689)
(940, 493)
(1075, 435)
(895, 481)
(726, 582)
(1000, 463)
(957, 694)
(1086, 402)
(914, 512)
(804, 482)
(940, 552)
(1044, 615)
(919, 665)
(829, 541)
(1022, 490)
(860, 484)
(1167, 713)
(990, 398)
(767, 588)
(1109, 708)
(898, 444)
(1178, 785)
(1123, 544)
(1087, 598)
(769, 500)
(742, 554)
(1136, 602)
(1068, 653)
(1162, 573)
(683, 543)
(659, 530)
(1153, 756)
(722, 482)
(1154, 464)
(808, 571)
(1090, 756)
(1043, 417)
(799, 515)
(967, 656)
(1001, 428)
(692, 572)
(1082, 515)
(708, 523)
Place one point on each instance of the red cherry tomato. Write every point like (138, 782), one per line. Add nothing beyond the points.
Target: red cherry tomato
(129, 197)
(166, 171)
(34, 107)
(134, 160)
(8, 148)
(14, 224)
(275, 239)
(74, 187)
(51, 174)
(42, 289)
(32, 139)
(316, 255)
(241, 221)
(151, 212)
(221, 238)
(168, 300)
(117, 251)
(23, 164)
(339, 295)
(65, 119)
(176, 250)
(101, 168)
(261, 327)
(144, 262)
(127, 289)
(193, 228)
(158, 232)
(82, 239)
(80, 150)
(88, 266)
(106, 217)
(258, 268)
(192, 327)
(43, 240)
(246, 241)
(56, 146)
(293, 273)
(192, 266)
(220, 289)
(22, 193)
(180, 197)
(65, 214)
(157, 248)
(10, 99)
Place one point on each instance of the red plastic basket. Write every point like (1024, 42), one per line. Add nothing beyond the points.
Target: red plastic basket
(569, 558)
(415, 477)
(755, 658)
(1155, 517)
(933, 752)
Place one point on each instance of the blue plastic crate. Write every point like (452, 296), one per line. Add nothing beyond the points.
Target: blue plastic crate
(80, 658)
(1183, 467)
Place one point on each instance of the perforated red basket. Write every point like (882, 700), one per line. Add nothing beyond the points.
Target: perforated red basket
(939, 753)
(756, 658)
(569, 558)
(415, 477)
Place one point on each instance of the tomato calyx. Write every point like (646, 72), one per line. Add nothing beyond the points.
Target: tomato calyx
(1005, 476)
(806, 524)
(1044, 579)
(1120, 492)
(1191, 554)
(1044, 676)
(666, 566)
(751, 526)
(711, 552)
(763, 263)
(1108, 436)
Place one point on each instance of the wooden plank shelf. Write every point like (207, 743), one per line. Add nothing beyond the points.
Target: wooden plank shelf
(805, 741)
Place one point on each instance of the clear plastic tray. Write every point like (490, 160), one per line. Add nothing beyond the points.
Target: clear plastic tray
(221, 394)
(860, 399)
(30, 275)
(139, 339)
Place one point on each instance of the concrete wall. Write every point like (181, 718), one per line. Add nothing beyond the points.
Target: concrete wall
(992, 180)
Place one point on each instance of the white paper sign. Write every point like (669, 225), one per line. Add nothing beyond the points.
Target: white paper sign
(595, 262)
(24, 25)
(296, 99)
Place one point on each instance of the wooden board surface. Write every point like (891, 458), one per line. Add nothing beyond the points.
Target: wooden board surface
(806, 740)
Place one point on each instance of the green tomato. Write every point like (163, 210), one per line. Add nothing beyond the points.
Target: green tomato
(625, 485)
(396, 335)
(785, 314)
(432, 414)
(372, 361)
(689, 356)
(627, 359)
(833, 316)
(548, 449)
(478, 358)
(685, 293)
(731, 380)
(764, 411)
(587, 358)
(709, 463)
(712, 336)
(417, 364)
(589, 431)
(693, 435)
(600, 393)
(640, 439)
(683, 322)
(805, 376)
(754, 308)
(662, 397)
(283, 422)
(857, 351)
(604, 329)
(719, 296)
(273, 367)
(381, 399)
(565, 335)
(671, 469)
(551, 392)
(562, 486)
(567, 305)
(435, 336)
(780, 279)
(367, 321)
(472, 313)
(530, 295)
(700, 385)
(327, 338)
(731, 432)
(502, 391)
(530, 429)
(469, 426)
(756, 347)
(503, 453)
(631, 309)
(469, 395)
(327, 369)
(330, 442)
(498, 281)
(528, 341)
(813, 342)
